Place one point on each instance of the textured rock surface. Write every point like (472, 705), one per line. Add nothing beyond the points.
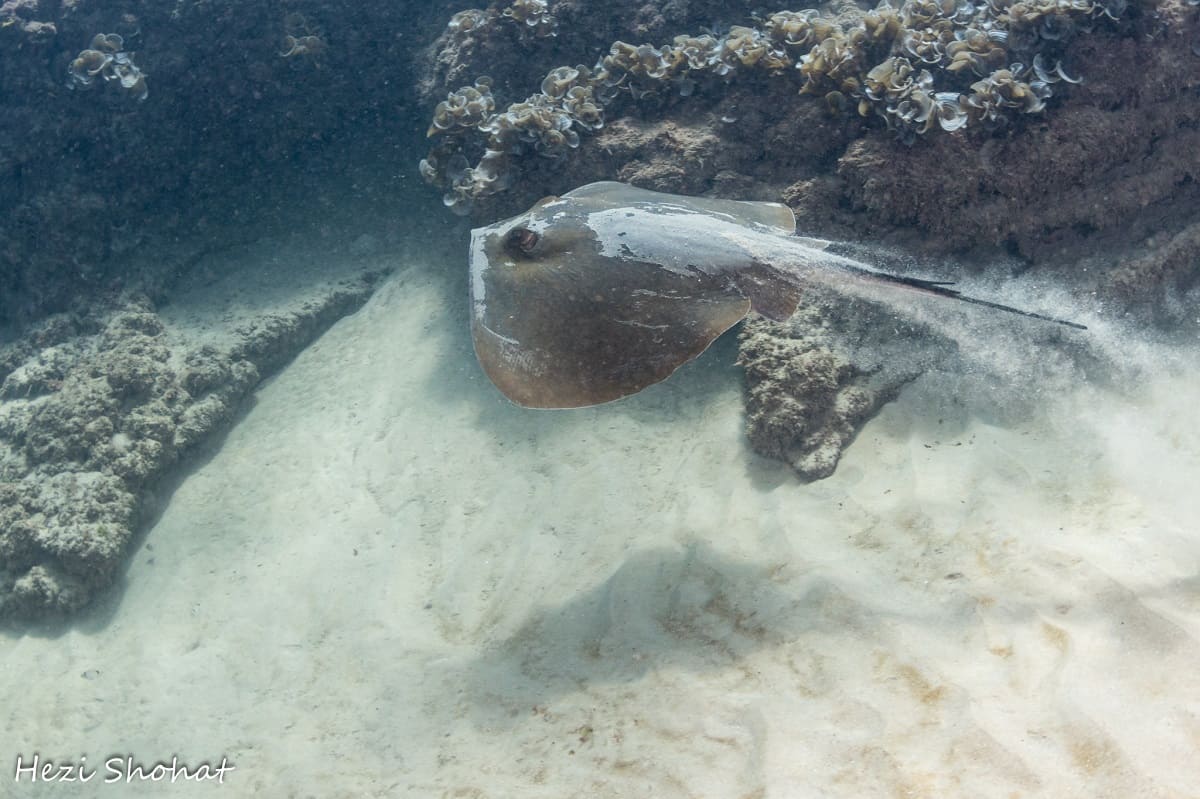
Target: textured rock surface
(518, 59)
(96, 407)
(813, 382)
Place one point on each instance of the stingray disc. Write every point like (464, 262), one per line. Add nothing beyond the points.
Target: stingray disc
(595, 295)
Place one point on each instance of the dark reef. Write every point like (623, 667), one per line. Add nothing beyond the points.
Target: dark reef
(131, 128)
(238, 95)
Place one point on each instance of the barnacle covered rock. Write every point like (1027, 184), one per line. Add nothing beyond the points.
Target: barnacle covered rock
(128, 77)
(531, 17)
(464, 182)
(547, 123)
(747, 47)
(539, 123)
(696, 52)
(1053, 74)
(889, 79)
(1031, 22)
(301, 38)
(881, 25)
(580, 103)
(302, 46)
(903, 95)
(111, 43)
(107, 62)
(927, 45)
(799, 29)
(562, 79)
(911, 66)
(468, 107)
(991, 98)
(925, 13)
(833, 65)
(977, 50)
(950, 112)
(87, 66)
(534, 15)
(906, 100)
(466, 21)
(627, 62)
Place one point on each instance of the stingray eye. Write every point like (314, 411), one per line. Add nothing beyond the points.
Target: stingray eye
(523, 239)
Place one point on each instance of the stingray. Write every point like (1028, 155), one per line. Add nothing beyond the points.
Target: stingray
(595, 295)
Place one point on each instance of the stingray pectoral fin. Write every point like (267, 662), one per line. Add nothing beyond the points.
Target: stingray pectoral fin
(565, 357)
(769, 293)
(607, 194)
(508, 368)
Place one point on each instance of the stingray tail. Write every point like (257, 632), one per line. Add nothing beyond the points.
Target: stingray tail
(940, 288)
(848, 255)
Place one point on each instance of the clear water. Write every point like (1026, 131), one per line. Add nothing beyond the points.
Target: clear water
(388, 581)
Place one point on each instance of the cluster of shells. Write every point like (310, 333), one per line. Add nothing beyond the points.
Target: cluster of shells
(547, 123)
(106, 62)
(927, 65)
(533, 16)
(301, 38)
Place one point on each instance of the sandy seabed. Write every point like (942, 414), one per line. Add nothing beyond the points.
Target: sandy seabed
(389, 582)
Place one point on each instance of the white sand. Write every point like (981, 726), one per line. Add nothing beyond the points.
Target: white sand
(390, 582)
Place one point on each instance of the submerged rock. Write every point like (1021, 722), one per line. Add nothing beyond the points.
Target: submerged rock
(813, 381)
(95, 411)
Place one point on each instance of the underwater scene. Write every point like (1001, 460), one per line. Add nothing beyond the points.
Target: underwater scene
(565, 399)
